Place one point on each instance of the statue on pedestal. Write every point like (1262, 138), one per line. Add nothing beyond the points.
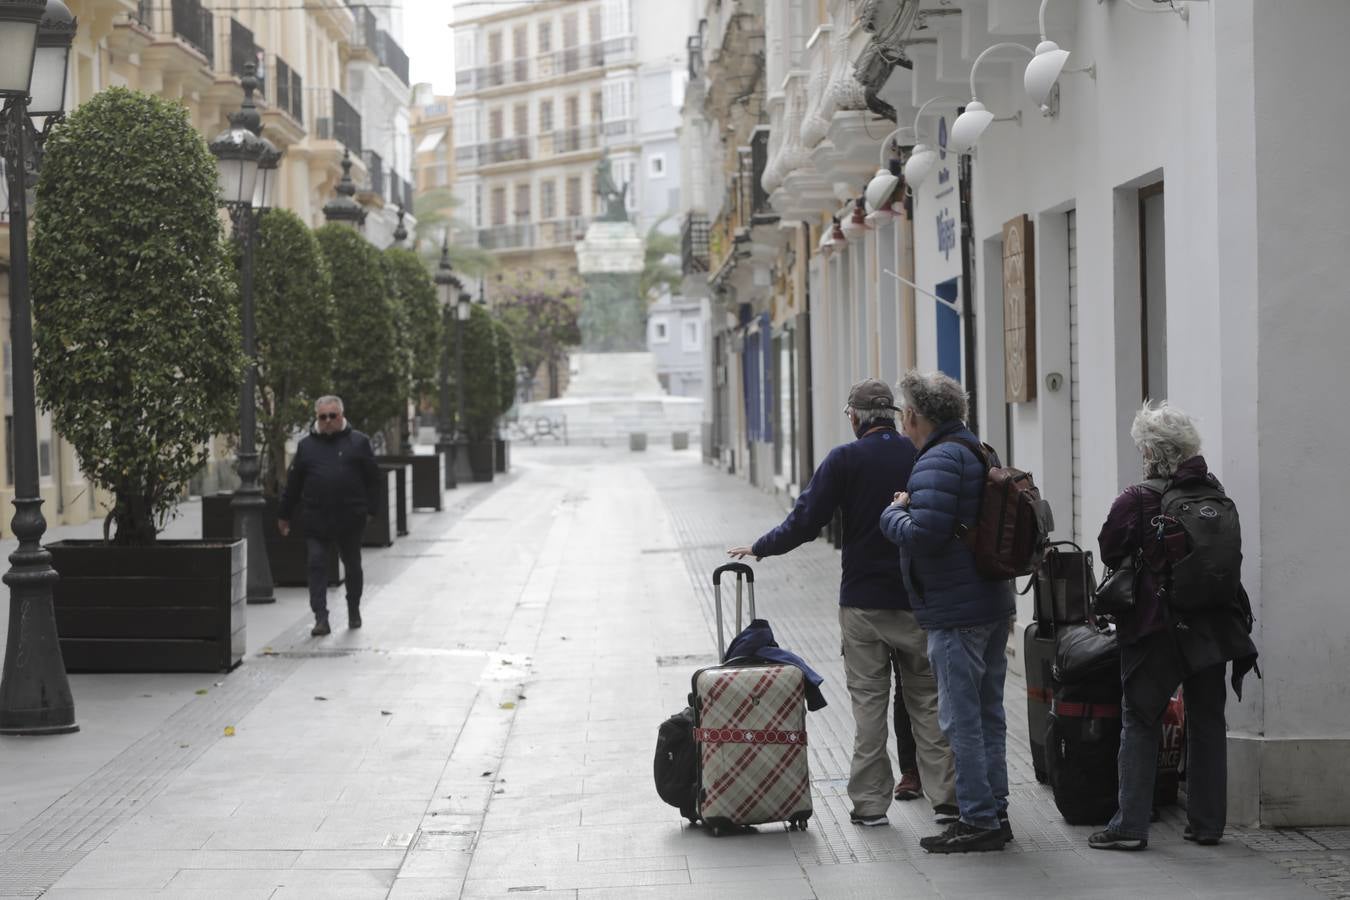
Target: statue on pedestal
(616, 200)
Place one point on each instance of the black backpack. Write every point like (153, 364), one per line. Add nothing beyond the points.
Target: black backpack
(1207, 574)
(675, 767)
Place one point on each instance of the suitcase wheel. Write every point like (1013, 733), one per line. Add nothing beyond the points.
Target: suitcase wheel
(717, 831)
(798, 823)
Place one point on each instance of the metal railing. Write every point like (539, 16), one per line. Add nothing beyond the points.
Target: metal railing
(391, 55)
(694, 243)
(366, 33)
(333, 118)
(195, 26)
(546, 65)
(289, 90)
(532, 235)
(746, 204)
(239, 49)
(546, 145)
(375, 168)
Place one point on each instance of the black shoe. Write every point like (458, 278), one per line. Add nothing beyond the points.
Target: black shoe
(320, 626)
(1110, 840)
(871, 821)
(1189, 835)
(946, 814)
(353, 617)
(1005, 827)
(963, 838)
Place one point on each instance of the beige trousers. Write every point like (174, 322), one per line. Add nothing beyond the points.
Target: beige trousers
(869, 636)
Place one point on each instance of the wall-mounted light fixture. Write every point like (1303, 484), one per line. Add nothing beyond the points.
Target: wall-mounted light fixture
(1180, 7)
(1045, 68)
(970, 125)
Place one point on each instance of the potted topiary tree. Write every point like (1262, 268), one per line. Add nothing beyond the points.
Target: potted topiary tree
(297, 346)
(506, 388)
(415, 297)
(482, 392)
(138, 359)
(371, 369)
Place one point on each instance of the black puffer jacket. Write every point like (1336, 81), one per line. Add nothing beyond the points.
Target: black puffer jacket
(334, 479)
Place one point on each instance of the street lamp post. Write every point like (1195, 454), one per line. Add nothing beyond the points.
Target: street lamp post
(447, 285)
(35, 694)
(247, 165)
(343, 209)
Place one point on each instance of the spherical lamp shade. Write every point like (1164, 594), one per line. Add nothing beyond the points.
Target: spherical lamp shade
(968, 127)
(919, 164)
(879, 190)
(237, 153)
(1043, 71)
(18, 39)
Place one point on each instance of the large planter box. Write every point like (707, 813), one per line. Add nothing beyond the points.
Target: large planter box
(482, 459)
(174, 606)
(383, 522)
(428, 479)
(402, 492)
(460, 463)
(503, 455)
(286, 555)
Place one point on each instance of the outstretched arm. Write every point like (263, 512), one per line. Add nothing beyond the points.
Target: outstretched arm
(812, 512)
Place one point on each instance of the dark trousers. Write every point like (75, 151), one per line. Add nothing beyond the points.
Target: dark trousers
(904, 733)
(349, 550)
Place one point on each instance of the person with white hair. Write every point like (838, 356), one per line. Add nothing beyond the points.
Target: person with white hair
(1168, 639)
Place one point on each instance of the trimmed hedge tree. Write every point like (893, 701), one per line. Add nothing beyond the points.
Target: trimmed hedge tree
(297, 335)
(137, 336)
(415, 292)
(506, 367)
(369, 374)
(482, 384)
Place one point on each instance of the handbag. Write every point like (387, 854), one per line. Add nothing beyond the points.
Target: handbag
(1115, 596)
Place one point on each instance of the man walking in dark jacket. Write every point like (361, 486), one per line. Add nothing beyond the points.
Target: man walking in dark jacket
(334, 479)
(875, 621)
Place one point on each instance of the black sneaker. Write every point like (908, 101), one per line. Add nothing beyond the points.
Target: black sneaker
(1189, 835)
(1005, 827)
(946, 814)
(963, 838)
(320, 626)
(1110, 840)
(353, 618)
(872, 821)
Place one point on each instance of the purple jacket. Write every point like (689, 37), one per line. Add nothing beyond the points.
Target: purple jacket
(1127, 529)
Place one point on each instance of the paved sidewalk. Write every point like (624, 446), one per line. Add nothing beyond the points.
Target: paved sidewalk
(489, 733)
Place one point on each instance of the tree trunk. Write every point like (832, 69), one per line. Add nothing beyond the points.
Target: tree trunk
(134, 519)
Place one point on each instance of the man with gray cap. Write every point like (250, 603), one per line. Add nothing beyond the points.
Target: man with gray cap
(860, 479)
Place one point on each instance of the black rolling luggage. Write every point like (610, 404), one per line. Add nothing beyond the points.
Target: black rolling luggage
(1061, 591)
(1083, 726)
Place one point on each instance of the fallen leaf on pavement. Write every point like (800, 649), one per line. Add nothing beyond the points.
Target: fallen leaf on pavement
(320, 698)
(201, 691)
(385, 712)
(508, 705)
(229, 731)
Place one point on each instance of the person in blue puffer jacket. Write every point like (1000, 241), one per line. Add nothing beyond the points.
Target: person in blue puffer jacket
(966, 616)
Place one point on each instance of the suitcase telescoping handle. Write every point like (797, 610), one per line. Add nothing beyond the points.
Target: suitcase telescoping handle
(744, 576)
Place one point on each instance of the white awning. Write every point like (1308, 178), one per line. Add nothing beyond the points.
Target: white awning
(431, 142)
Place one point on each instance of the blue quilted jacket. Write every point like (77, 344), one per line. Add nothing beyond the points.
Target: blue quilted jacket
(945, 487)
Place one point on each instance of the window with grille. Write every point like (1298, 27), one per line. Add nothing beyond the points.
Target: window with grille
(494, 47)
(545, 116)
(574, 195)
(597, 106)
(548, 200)
(544, 36)
(499, 206)
(572, 111)
(522, 119)
(495, 125)
(522, 203)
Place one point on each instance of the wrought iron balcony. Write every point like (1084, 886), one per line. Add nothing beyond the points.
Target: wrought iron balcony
(694, 244)
(391, 55)
(546, 65)
(375, 169)
(533, 235)
(288, 90)
(195, 26)
(333, 118)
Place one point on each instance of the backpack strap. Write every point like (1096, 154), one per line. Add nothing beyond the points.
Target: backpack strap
(961, 531)
(1156, 485)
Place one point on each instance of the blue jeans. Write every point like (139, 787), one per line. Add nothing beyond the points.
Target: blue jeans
(970, 665)
(1206, 757)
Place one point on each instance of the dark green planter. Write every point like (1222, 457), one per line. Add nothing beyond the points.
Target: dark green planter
(286, 555)
(383, 521)
(502, 461)
(174, 606)
(428, 479)
(482, 459)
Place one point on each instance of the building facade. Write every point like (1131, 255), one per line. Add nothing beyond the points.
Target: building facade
(543, 90)
(1163, 226)
(433, 138)
(320, 69)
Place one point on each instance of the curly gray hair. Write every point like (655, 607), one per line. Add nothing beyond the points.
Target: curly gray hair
(1165, 436)
(937, 397)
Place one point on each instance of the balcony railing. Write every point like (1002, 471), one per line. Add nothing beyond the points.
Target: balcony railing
(238, 48)
(391, 55)
(546, 145)
(195, 26)
(366, 34)
(533, 235)
(694, 244)
(400, 192)
(289, 90)
(547, 65)
(333, 118)
(375, 167)
(746, 204)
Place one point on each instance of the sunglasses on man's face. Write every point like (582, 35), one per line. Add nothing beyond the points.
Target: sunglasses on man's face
(326, 417)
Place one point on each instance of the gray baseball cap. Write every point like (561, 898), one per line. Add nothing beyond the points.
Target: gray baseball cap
(871, 394)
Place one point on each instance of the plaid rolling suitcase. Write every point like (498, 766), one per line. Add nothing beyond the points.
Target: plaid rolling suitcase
(750, 729)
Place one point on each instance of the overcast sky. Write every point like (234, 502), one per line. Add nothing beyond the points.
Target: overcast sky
(426, 35)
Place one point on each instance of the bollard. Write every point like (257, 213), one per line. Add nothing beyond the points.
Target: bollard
(637, 440)
(679, 440)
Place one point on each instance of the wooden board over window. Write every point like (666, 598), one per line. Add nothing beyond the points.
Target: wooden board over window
(1019, 311)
